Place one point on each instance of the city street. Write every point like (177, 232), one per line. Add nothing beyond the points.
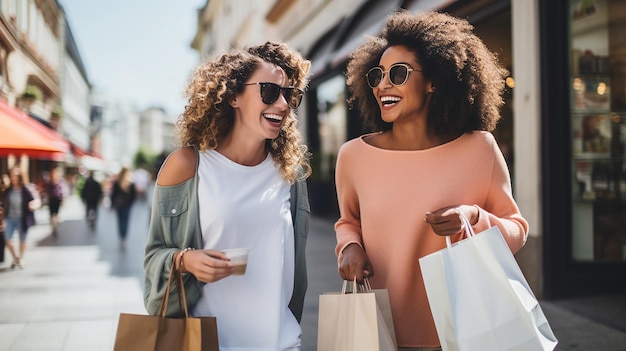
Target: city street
(72, 288)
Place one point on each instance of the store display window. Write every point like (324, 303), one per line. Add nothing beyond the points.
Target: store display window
(332, 124)
(598, 125)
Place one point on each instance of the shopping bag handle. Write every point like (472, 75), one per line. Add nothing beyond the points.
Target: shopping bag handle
(466, 226)
(182, 297)
(181, 293)
(166, 298)
(365, 287)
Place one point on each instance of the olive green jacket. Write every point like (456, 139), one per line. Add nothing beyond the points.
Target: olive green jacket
(175, 225)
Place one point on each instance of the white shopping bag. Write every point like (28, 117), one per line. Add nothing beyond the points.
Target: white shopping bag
(480, 299)
(356, 321)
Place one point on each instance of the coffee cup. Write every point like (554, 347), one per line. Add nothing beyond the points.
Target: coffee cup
(239, 258)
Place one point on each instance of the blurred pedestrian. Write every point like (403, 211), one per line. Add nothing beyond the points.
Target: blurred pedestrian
(91, 194)
(122, 198)
(431, 91)
(141, 179)
(19, 206)
(237, 182)
(2, 237)
(54, 191)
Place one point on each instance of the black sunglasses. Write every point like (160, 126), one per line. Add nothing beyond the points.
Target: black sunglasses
(398, 74)
(270, 93)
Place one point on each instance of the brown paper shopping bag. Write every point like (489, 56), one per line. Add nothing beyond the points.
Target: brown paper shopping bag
(357, 320)
(159, 333)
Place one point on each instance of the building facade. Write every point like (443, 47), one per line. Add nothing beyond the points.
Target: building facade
(156, 131)
(562, 130)
(32, 42)
(75, 97)
(119, 130)
(43, 80)
(31, 68)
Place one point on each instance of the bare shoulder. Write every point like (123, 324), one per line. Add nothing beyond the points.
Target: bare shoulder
(179, 167)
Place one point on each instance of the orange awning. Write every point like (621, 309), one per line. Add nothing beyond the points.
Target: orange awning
(21, 135)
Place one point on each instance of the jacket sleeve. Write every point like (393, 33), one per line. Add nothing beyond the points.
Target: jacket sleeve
(173, 226)
(300, 213)
(157, 262)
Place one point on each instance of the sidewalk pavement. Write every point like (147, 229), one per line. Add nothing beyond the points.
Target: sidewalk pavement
(67, 297)
(71, 290)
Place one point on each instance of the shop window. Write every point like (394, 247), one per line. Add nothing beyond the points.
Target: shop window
(331, 122)
(598, 126)
(328, 131)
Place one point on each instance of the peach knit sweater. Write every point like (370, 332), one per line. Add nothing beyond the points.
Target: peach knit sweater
(383, 198)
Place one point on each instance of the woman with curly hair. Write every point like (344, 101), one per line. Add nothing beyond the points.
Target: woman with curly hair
(431, 91)
(238, 181)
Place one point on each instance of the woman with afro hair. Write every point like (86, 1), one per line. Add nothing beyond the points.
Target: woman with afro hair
(237, 181)
(431, 91)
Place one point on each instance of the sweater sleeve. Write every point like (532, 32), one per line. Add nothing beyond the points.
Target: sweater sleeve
(348, 227)
(499, 207)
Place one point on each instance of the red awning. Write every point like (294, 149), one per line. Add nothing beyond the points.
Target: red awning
(78, 151)
(21, 135)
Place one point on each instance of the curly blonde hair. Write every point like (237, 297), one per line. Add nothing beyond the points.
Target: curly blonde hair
(208, 116)
(468, 79)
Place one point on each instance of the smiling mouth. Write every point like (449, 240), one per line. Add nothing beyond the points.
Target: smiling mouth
(273, 118)
(389, 100)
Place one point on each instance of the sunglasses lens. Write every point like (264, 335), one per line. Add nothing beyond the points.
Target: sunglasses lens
(374, 77)
(269, 93)
(398, 74)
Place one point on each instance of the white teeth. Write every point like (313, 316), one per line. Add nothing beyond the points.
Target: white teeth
(273, 117)
(389, 99)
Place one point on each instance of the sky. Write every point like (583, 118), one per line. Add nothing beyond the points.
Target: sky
(138, 51)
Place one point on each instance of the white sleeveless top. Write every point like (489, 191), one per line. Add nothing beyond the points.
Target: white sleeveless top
(242, 206)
